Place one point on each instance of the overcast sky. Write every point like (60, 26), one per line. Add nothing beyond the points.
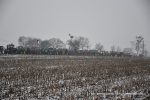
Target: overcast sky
(110, 22)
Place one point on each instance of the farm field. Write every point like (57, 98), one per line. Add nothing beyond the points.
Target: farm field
(31, 77)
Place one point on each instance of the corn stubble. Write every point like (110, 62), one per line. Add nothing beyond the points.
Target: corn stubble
(77, 78)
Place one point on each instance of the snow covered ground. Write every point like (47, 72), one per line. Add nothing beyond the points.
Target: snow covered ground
(73, 78)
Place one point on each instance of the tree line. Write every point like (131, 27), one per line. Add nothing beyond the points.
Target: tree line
(74, 45)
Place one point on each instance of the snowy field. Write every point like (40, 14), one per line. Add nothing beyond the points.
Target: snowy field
(28, 77)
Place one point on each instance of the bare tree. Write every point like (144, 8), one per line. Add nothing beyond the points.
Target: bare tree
(33, 43)
(1, 49)
(84, 43)
(23, 41)
(56, 43)
(45, 44)
(118, 49)
(99, 47)
(28, 42)
(78, 43)
(113, 48)
(74, 44)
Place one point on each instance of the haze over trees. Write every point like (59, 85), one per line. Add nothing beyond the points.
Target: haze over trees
(28, 42)
(56, 43)
(45, 44)
(118, 49)
(76, 43)
(99, 47)
(113, 48)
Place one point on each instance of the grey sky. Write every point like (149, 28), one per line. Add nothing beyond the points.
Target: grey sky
(110, 22)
